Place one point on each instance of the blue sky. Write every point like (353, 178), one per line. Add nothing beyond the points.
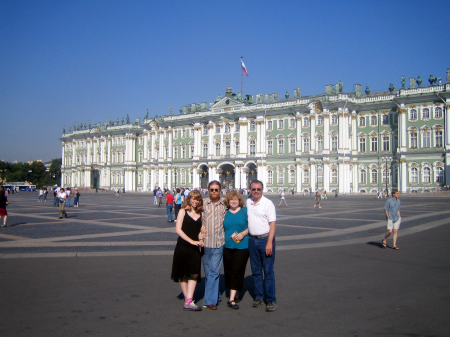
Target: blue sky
(65, 62)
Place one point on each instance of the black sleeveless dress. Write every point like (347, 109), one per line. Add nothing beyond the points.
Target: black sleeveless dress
(186, 257)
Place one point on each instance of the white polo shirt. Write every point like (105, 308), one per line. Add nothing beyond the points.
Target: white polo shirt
(260, 215)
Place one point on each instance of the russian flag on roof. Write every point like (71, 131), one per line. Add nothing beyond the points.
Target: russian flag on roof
(243, 67)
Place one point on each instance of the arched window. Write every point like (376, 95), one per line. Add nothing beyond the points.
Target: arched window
(305, 144)
(374, 174)
(373, 120)
(413, 114)
(237, 147)
(217, 149)
(305, 176)
(438, 112)
(280, 124)
(385, 143)
(334, 176)
(269, 125)
(334, 119)
(438, 138)
(413, 140)
(192, 151)
(306, 122)
(228, 148)
(320, 175)
(280, 146)
(385, 119)
(373, 144)
(362, 176)
(425, 113)
(227, 128)
(439, 175)
(252, 147)
(319, 120)
(252, 126)
(205, 150)
(320, 143)
(270, 147)
(426, 139)
(334, 143)
(141, 156)
(291, 176)
(175, 152)
(280, 176)
(292, 123)
(292, 145)
(205, 130)
(217, 128)
(183, 152)
(270, 177)
(414, 178)
(238, 127)
(426, 175)
(362, 121)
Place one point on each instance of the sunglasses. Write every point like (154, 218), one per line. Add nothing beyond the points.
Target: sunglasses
(256, 189)
(214, 190)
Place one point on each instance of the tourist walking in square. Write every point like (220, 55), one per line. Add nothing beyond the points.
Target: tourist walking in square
(318, 197)
(394, 219)
(261, 245)
(62, 203)
(283, 198)
(169, 206)
(3, 203)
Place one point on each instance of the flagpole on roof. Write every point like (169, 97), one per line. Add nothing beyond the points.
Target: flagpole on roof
(242, 79)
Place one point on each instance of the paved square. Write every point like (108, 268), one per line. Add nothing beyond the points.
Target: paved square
(105, 271)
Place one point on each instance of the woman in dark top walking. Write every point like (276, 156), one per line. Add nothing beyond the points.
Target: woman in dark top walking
(3, 203)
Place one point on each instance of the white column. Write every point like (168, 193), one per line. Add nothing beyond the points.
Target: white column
(94, 149)
(169, 178)
(222, 143)
(326, 175)
(402, 130)
(211, 145)
(170, 144)
(152, 146)
(197, 142)
(326, 135)
(312, 141)
(146, 146)
(299, 144)
(145, 179)
(232, 145)
(88, 151)
(243, 135)
(312, 177)
(355, 174)
(403, 174)
(152, 178)
(354, 133)
(74, 152)
(299, 177)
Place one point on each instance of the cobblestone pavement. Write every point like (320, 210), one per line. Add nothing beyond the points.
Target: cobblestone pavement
(105, 225)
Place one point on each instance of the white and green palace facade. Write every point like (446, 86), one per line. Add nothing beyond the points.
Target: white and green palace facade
(353, 142)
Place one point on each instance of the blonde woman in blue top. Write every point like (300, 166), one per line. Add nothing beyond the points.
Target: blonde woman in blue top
(235, 252)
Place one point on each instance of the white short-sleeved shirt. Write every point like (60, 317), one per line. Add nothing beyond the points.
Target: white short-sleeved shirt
(260, 215)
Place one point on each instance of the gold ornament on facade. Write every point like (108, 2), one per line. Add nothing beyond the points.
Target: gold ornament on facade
(425, 104)
(412, 106)
(384, 112)
(373, 112)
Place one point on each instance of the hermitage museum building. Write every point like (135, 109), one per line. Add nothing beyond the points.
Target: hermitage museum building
(353, 142)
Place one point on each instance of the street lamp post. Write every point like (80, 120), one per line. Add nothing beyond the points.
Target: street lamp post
(386, 176)
(175, 168)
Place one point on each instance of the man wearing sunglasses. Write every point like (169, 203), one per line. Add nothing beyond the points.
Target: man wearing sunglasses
(261, 244)
(214, 239)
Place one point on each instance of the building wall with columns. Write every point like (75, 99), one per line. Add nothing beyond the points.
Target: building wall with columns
(350, 142)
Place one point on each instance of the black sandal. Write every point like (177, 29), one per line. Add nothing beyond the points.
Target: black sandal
(383, 243)
(232, 306)
(396, 248)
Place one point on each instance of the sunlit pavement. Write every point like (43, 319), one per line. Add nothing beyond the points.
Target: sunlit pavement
(105, 270)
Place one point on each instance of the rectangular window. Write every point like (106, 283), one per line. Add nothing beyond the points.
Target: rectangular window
(334, 143)
(292, 146)
(280, 124)
(280, 146)
(269, 125)
(305, 144)
(305, 177)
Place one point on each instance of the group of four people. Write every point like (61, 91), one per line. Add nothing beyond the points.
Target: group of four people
(223, 230)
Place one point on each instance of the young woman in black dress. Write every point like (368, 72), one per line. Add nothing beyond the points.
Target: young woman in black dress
(187, 256)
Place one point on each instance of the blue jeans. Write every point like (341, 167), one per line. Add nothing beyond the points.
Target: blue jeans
(154, 200)
(169, 212)
(259, 262)
(55, 201)
(212, 263)
(68, 201)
